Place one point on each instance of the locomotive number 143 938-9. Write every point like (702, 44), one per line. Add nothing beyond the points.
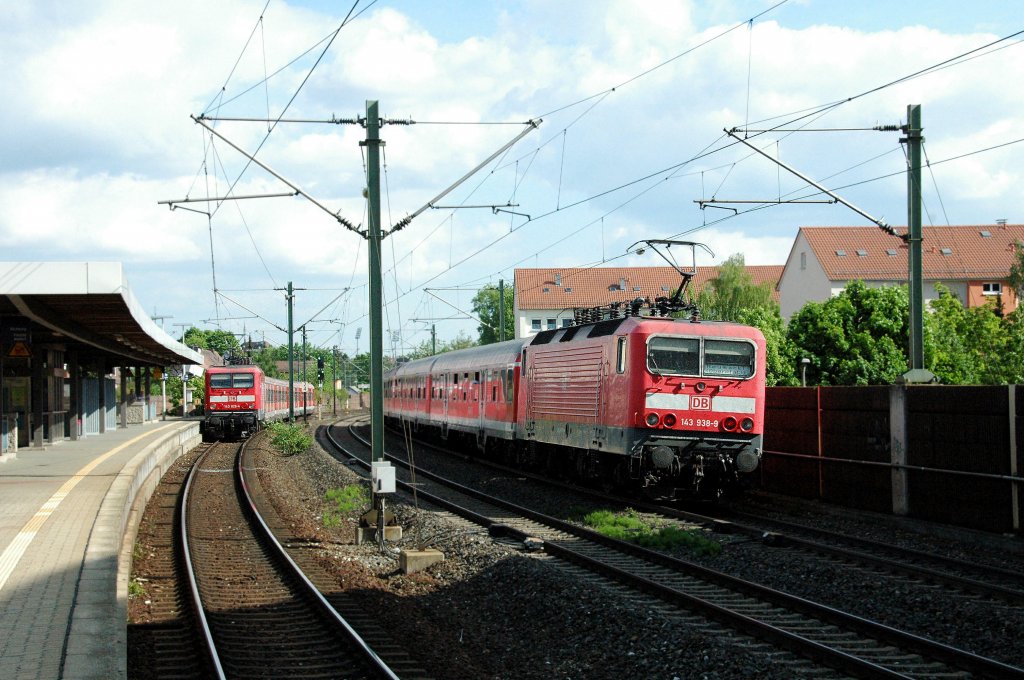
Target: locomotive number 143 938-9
(698, 422)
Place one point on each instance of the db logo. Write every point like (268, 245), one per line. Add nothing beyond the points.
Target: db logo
(700, 403)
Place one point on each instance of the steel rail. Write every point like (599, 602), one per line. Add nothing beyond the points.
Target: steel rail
(371, 656)
(197, 601)
(929, 649)
(901, 559)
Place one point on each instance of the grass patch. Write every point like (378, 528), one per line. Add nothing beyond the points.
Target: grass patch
(289, 439)
(630, 526)
(135, 589)
(343, 502)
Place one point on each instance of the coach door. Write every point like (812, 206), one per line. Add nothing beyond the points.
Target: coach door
(485, 398)
(445, 382)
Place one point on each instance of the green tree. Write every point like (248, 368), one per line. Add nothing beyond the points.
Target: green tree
(856, 338)
(195, 337)
(486, 308)
(426, 348)
(1016, 277)
(968, 346)
(724, 298)
(222, 342)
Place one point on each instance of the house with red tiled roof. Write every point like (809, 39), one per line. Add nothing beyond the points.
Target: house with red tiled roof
(545, 298)
(973, 262)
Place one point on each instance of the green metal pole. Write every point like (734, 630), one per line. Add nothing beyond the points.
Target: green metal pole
(913, 132)
(501, 310)
(433, 339)
(376, 317)
(291, 357)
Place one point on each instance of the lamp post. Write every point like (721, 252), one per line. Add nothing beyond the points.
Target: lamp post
(804, 363)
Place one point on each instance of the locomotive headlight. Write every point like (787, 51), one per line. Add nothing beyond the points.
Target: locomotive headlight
(729, 423)
(700, 387)
(747, 424)
(670, 419)
(652, 419)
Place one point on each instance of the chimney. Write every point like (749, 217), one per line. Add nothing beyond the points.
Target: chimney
(558, 279)
(622, 284)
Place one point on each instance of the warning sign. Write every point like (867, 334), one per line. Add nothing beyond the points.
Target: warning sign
(19, 349)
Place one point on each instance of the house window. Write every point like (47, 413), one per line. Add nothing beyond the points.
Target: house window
(568, 290)
(991, 288)
(862, 253)
(535, 324)
(841, 253)
(566, 323)
(946, 251)
(803, 260)
(985, 234)
(547, 290)
(552, 324)
(891, 252)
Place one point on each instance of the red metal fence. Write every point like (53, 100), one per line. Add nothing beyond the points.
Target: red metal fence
(942, 453)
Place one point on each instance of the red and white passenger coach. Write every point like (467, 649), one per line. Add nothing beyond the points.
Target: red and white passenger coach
(240, 398)
(671, 406)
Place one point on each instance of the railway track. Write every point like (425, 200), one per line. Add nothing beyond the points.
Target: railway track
(846, 643)
(260, 616)
(973, 578)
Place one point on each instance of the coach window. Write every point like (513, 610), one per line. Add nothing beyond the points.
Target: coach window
(620, 356)
(673, 356)
(509, 384)
(728, 359)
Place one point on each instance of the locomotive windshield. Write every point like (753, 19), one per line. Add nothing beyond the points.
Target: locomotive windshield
(683, 356)
(728, 359)
(223, 381)
(676, 356)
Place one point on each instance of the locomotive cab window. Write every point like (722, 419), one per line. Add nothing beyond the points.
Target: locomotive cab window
(673, 355)
(728, 359)
(620, 355)
(220, 381)
(242, 380)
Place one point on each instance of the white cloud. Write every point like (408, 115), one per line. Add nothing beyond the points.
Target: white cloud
(96, 131)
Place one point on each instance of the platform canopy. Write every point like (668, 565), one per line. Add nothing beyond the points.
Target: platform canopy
(85, 307)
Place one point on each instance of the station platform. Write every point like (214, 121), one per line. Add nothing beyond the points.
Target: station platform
(67, 525)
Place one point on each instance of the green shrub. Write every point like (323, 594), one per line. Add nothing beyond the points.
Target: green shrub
(289, 439)
(630, 526)
(344, 502)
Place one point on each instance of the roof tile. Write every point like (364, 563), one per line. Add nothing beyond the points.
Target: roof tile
(595, 286)
(948, 253)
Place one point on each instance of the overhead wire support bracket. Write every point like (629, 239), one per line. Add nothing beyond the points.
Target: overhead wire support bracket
(331, 121)
(882, 224)
(217, 199)
(341, 220)
(531, 125)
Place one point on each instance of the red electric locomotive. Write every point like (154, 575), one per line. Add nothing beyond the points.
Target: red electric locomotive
(673, 407)
(240, 398)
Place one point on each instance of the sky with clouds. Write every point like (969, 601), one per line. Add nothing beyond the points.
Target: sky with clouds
(631, 101)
